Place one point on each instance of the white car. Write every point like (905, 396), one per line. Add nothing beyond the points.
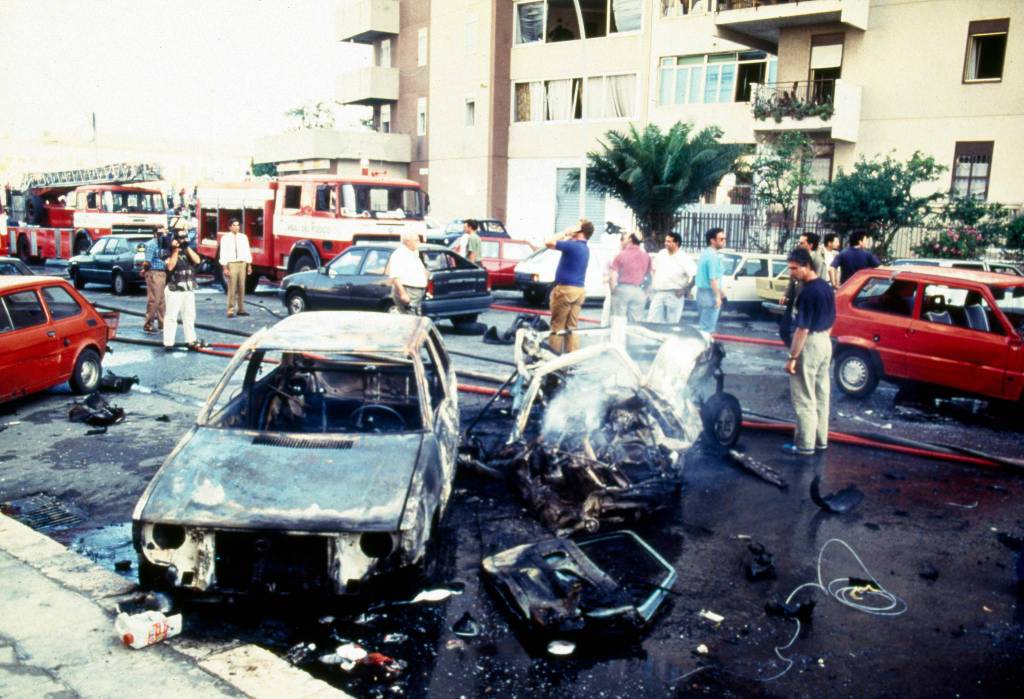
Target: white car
(741, 271)
(535, 275)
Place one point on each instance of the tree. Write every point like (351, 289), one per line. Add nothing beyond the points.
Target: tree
(781, 171)
(878, 196)
(655, 174)
(966, 227)
(318, 115)
(261, 169)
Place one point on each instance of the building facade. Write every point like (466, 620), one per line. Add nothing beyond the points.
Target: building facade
(502, 99)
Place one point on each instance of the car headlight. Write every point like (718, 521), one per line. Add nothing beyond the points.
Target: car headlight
(168, 536)
(376, 544)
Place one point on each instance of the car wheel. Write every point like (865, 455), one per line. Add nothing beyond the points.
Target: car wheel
(119, 284)
(76, 278)
(88, 369)
(296, 302)
(23, 250)
(533, 297)
(855, 374)
(303, 263)
(723, 419)
(467, 319)
(82, 244)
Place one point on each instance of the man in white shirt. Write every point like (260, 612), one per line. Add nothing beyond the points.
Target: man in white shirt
(408, 275)
(235, 263)
(673, 272)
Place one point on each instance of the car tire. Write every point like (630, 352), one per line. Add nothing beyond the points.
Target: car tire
(296, 302)
(467, 319)
(85, 377)
(119, 284)
(723, 419)
(855, 373)
(24, 253)
(76, 278)
(532, 297)
(303, 263)
(81, 245)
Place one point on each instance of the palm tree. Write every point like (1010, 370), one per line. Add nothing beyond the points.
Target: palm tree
(655, 174)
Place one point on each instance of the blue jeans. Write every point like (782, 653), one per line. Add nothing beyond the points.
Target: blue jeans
(707, 312)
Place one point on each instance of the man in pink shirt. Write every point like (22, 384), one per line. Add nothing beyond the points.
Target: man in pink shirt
(628, 271)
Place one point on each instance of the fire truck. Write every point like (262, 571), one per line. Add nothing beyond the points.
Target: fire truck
(56, 215)
(300, 222)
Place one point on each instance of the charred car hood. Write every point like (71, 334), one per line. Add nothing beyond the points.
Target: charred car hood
(308, 482)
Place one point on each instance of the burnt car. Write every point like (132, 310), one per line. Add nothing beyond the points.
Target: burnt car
(323, 457)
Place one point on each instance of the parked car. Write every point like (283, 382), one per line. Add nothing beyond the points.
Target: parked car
(535, 275)
(998, 266)
(14, 266)
(958, 331)
(742, 273)
(323, 457)
(489, 227)
(355, 280)
(499, 256)
(49, 334)
(115, 260)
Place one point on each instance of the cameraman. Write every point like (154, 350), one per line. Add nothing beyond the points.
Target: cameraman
(180, 292)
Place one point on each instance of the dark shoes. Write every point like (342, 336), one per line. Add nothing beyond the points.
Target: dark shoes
(243, 313)
(796, 451)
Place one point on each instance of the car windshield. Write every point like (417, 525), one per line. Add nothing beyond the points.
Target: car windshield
(318, 393)
(1010, 300)
(133, 202)
(379, 201)
(729, 262)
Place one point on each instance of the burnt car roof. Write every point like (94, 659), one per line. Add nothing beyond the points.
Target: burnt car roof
(346, 331)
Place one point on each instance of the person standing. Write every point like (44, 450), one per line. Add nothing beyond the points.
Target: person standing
(569, 291)
(673, 272)
(831, 245)
(156, 279)
(810, 355)
(408, 275)
(180, 292)
(854, 258)
(809, 242)
(235, 260)
(709, 281)
(629, 269)
(474, 246)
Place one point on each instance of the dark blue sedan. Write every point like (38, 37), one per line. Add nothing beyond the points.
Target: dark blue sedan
(114, 260)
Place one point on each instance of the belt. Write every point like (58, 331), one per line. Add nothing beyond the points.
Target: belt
(626, 284)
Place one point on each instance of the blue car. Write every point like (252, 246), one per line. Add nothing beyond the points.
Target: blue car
(114, 260)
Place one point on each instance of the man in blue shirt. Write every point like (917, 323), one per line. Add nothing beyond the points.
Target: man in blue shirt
(570, 281)
(810, 355)
(854, 258)
(156, 279)
(709, 281)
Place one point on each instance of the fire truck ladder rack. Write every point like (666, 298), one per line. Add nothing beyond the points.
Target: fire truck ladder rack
(118, 173)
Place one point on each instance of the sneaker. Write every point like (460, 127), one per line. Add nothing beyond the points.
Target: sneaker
(820, 447)
(793, 449)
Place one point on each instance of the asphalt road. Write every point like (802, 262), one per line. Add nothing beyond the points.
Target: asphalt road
(926, 530)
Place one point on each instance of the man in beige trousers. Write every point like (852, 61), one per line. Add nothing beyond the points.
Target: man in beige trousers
(236, 264)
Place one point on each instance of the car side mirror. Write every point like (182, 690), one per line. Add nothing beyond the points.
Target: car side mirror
(323, 269)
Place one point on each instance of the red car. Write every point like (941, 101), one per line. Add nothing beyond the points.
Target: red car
(499, 256)
(955, 329)
(49, 334)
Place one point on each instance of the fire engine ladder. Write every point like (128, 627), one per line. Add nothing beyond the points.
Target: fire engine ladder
(118, 173)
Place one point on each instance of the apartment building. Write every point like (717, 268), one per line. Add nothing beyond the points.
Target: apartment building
(501, 100)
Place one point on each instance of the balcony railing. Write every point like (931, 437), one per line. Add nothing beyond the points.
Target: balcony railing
(794, 100)
(724, 5)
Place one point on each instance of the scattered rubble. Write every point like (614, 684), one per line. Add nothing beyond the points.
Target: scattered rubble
(112, 383)
(760, 565)
(95, 411)
(842, 501)
(508, 336)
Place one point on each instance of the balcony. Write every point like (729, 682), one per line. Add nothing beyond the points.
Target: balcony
(370, 85)
(813, 106)
(307, 145)
(759, 22)
(367, 21)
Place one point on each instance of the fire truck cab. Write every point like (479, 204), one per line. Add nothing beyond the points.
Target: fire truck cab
(300, 222)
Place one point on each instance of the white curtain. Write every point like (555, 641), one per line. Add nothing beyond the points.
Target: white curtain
(621, 96)
(559, 100)
(595, 98)
(625, 15)
(530, 22)
(537, 101)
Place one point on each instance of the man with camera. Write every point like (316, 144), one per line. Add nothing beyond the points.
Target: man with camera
(180, 292)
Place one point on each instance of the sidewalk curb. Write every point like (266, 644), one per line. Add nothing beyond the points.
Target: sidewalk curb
(249, 669)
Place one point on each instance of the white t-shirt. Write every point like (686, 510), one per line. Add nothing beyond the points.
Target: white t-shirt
(672, 272)
(406, 266)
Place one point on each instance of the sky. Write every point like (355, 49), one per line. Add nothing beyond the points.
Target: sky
(215, 71)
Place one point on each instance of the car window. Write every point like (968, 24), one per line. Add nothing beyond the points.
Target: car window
(376, 261)
(435, 382)
(25, 309)
(495, 228)
(778, 267)
(347, 263)
(434, 260)
(9, 268)
(729, 263)
(1011, 302)
(959, 307)
(99, 246)
(516, 251)
(1005, 269)
(115, 246)
(753, 267)
(60, 302)
(5, 319)
(489, 248)
(884, 295)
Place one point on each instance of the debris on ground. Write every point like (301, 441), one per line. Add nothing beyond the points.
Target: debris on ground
(612, 583)
(300, 654)
(466, 626)
(714, 618)
(760, 565)
(758, 468)
(929, 572)
(95, 411)
(112, 383)
(801, 611)
(146, 628)
(122, 566)
(842, 501)
(508, 336)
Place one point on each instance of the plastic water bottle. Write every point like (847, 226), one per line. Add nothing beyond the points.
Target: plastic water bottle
(146, 628)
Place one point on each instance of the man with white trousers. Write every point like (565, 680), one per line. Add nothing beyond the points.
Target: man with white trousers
(673, 272)
(180, 292)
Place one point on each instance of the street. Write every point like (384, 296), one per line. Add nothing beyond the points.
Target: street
(926, 530)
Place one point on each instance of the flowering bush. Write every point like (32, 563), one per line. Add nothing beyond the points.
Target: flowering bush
(956, 242)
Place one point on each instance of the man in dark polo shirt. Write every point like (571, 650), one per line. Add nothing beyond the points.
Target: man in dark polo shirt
(628, 271)
(810, 355)
(854, 258)
(570, 279)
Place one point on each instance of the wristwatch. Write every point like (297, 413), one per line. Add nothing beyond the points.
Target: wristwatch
(793, 357)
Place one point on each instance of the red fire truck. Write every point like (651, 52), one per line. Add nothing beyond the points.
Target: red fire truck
(299, 222)
(59, 214)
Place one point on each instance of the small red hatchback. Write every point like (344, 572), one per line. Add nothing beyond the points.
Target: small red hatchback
(49, 334)
(955, 329)
(499, 256)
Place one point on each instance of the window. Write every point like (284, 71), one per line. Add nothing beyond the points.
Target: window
(611, 97)
(421, 116)
(963, 308)
(549, 100)
(376, 261)
(385, 118)
(116, 246)
(674, 8)
(529, 22)
(24, 309)
(61, 304)
(894, 297)
(99, 246)
(326, 198)
(972, 163)
(5, 320)
(753, 267)
(986, 49)
(556, 20)
(385, 53)
(421, 47)
(470, 112)
(713, 78)
(347, 263)
(292, 196)
(569, 202)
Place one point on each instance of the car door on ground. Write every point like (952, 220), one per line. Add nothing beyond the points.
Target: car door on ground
(957, 339)
(887, 306)
(334, 289)
(29, 347)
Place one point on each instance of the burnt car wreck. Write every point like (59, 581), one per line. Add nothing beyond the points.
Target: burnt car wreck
(600, 434)
(324, 456)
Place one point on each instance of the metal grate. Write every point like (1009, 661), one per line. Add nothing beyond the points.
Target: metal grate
(303, 442)
(42, 512)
